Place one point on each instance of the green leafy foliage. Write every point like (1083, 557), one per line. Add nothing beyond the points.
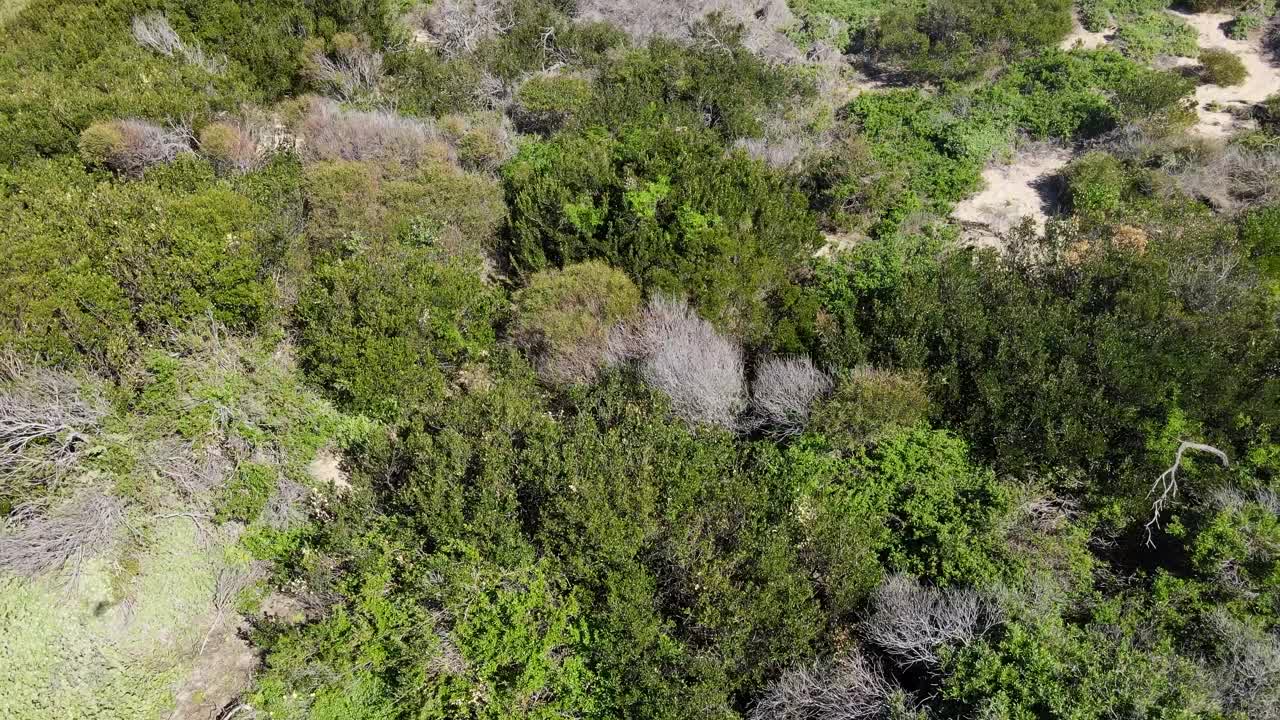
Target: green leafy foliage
(376, 326)
(1222, 67)
(564, 317)
(93, 266)
(667, 206)
(961, 39)
(509, 524)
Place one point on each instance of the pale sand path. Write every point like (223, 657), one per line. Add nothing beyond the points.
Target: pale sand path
(1088, 40)
(1014, 190)
(1263, 80)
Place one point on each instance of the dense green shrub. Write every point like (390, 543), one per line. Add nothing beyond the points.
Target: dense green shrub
(83, 54)
(1153, 32)
(1041, 667)
(667, 206)
(92, 264)
(836, 23)
(912, 503)
(1084, 93)
(247, 493)
(545, 103)
(869, 404)
(378, 328)
(1221, 67)
(1105, 335)
(347, 201)
(1095, 185)
(939, 153)
(965, 38)
(726, 89)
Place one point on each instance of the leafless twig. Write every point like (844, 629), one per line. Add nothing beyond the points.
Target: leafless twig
(154, 32)
(850, 688)
(44, 540)
(1167, 484)
(912, 622)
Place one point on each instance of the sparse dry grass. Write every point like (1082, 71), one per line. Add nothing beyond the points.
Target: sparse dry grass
(330, 133)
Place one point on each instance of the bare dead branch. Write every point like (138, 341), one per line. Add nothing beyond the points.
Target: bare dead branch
(912, 622)
(784, 392)
(456, 27)
(356, 71)
(46, 418)
(41, 541)
(849, 688)
(1167, 484)
(153, 31)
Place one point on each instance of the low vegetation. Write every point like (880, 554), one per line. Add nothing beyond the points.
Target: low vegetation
(535, 359)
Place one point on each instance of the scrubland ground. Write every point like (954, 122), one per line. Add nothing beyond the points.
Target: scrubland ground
(822, 359)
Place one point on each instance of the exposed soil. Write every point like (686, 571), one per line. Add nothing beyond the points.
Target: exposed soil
(326, 469)
(1086, 39)
(1014, 190)
(220, 674)
(1263, 80)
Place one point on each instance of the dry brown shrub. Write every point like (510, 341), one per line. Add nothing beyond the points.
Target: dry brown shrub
(353, 71)
(1130, 238)
(764, 22)
(241, 145)
(331, 133)
(459, 26)
(131, 146)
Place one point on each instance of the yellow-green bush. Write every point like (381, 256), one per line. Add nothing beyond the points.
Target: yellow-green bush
(564, 317)
(100, 142)
(1221, 67)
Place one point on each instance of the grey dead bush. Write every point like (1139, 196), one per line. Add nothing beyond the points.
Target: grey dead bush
(459, 26)
(194, 473)
(1232, 177)
(46, 420)
(848, 688)
(131, 146)
(1247, 671)
(784, 393)
(912, 623)
(783, 153)
(764, 22)
(353, 71)
(330, 133)
(684, 356)
(153, 31)
(39, 540)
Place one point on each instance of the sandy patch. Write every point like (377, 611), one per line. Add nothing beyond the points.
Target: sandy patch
(222, 672)
(1013, 191)
(1263, 80)
(1085, 39)
(326, 469)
